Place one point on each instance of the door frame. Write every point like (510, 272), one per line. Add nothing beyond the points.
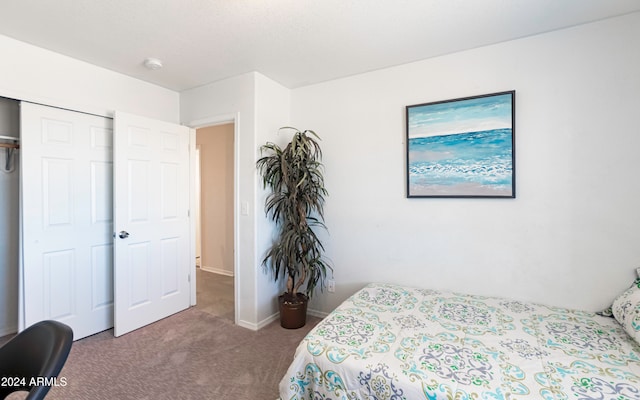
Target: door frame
(232, 118)
(109, 114)
(191, 234)
(197, 209)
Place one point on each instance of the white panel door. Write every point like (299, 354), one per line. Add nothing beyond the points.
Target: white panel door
(151, 214)
(67, 210)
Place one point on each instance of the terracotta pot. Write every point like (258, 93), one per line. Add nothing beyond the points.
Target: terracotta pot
(293, 311)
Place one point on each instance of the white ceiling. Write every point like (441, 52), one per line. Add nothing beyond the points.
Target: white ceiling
(294, 42)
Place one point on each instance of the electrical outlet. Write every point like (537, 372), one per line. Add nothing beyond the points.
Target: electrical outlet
(331, 286)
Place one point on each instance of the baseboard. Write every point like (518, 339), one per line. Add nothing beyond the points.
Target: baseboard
(217, 270)
(259, 325)
(268, 320)
(8, 330)
(275, 317)
(247, 325)
(317, 313)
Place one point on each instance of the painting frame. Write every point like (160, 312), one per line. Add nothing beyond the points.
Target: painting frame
(462, 148)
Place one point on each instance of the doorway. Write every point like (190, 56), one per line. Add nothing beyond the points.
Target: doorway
(215, 235)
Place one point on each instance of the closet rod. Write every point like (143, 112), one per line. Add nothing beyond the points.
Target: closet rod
(17, 139)
(13, 145)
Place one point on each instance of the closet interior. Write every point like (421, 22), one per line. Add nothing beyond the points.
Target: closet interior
(9, 213)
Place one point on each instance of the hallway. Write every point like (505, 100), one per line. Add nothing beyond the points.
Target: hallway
(214, 294)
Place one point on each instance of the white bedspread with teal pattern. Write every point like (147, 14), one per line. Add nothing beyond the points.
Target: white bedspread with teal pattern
(393, 342)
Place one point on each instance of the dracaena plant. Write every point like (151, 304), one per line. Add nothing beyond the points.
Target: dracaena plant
(294, 176)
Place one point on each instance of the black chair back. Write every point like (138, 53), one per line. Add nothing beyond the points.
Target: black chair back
(32, 359)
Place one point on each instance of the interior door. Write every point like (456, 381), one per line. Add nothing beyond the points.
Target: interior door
(67, 209)
(151, 221)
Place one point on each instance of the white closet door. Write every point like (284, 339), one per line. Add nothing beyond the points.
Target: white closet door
(151, 213)
(67, 210)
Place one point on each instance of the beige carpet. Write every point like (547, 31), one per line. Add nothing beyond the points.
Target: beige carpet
(191, 355)
(214, 294)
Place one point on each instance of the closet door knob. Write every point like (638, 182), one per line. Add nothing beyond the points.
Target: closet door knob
(123, 234)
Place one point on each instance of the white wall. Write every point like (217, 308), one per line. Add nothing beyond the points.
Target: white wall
(569, 238)
(258, 106)
(272, 112)
(9, 225)
(41, 76)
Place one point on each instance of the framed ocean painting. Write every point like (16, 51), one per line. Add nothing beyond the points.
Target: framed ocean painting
(462, 147)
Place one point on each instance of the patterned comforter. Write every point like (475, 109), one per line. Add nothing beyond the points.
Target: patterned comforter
(393, 342)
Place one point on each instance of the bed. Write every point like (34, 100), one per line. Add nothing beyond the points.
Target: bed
(393, 342)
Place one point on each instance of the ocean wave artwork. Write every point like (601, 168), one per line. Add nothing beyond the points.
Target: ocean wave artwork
(447, 157)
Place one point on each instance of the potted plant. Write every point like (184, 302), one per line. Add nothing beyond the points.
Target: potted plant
(294, 176)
